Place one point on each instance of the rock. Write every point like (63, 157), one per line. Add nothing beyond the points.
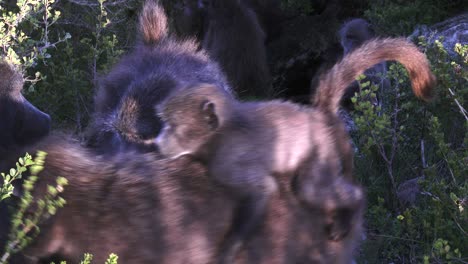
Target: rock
(453, 30)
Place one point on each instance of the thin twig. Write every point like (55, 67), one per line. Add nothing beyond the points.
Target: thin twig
(462, 110)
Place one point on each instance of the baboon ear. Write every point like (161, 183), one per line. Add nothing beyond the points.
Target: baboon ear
(209, 114)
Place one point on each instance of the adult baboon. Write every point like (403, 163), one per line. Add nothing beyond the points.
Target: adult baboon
(21, 123)
(244, 145)
(150, 210)
(190, 20)
(269, 14)
(233, 37)
(353, 34)
(159, 64)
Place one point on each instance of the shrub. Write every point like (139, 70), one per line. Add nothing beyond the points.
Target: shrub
(24, 33)
(26, 220)
(399, 17)
(406, 139)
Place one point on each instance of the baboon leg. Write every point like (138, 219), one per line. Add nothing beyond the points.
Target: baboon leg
(340, 201)
(247, 219)
(339, 222)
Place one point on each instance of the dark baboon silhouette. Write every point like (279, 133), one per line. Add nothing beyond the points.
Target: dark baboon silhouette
(21, 123)
(233, 37)
(269, 14)
(353, 34)
(150, 210)
(244, 145)
(190, 21)
(159, 64)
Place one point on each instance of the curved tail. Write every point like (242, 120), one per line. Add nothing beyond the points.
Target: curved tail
(152, 23)
(333, 84)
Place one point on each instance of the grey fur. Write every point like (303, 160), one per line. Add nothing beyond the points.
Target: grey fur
(159, 64)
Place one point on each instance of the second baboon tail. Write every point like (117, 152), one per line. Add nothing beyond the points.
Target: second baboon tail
(152, 23)
(333, 84)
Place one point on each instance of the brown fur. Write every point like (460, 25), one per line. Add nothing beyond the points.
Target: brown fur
(234, 38)
(152, 27)
(245, 145)
(148, 210)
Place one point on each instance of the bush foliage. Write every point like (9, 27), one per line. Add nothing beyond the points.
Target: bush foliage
(412, 157)
(32, 211)
(405, 148)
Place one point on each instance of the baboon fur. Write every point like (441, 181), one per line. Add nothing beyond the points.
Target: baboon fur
(246, 144)
(353, 34)
(159, 64)
(234, 38)
(151, 210)
(21, 124)
(333, 84)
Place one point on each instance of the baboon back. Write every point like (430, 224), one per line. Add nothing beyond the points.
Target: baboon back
(149, 210)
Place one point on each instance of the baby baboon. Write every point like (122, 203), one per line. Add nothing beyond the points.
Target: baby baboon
(147, 210)
(234, 38)
(353, 34)
(159, 64)
(244, 145)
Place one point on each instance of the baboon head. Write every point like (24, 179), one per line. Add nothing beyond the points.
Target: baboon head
(354, 33)
(191, 119)
(21, 122)
(159, 65)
